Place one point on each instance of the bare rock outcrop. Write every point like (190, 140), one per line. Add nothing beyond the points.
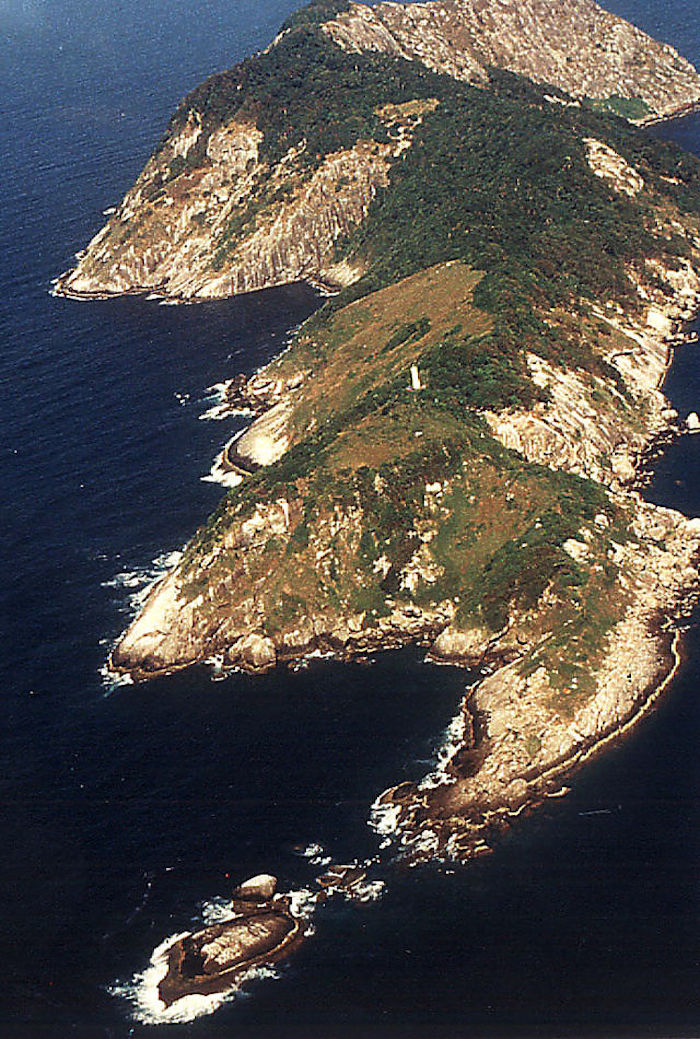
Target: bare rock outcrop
(574, 45)
(233, 224)
(532, 733)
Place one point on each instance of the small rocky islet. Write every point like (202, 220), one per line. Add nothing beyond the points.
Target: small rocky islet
(262, 930)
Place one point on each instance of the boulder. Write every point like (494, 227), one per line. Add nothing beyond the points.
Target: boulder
(260, 888)
(454, 646)
(253, 652)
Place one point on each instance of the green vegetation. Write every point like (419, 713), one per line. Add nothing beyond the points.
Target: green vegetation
(502, 181)
(497, 177)
(306, 89)
(494, 535)
(632, 108)
(464, 372)
(315, 13)
(489, 241)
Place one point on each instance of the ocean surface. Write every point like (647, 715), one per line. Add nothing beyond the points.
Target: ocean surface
(127, 813)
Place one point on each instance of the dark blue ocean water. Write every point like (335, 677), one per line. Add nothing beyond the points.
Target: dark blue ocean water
(122, 811)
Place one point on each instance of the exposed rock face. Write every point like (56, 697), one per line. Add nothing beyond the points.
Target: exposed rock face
(482, 557)
(259, 888)
(229, 223)
(584, 427)
(529, 737)
(253, 652)
(573, 44)
(607, 164)
(174, 237)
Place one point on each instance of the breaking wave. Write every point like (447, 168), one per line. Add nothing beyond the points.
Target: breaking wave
(133, 588)
(219, 474)
(148, 1008)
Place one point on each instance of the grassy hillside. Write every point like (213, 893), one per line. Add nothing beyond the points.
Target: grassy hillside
(398, 496)
(493, 241)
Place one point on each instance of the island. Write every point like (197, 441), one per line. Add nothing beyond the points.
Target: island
(447, 453)
(262, 929)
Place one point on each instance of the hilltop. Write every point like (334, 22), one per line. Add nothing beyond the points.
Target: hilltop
(446, 453)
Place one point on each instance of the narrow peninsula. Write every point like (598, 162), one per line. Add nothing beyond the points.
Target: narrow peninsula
(446, 455)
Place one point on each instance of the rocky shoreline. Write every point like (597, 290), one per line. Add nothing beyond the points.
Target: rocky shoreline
(262, 930)
(485, 781)
(484, 508)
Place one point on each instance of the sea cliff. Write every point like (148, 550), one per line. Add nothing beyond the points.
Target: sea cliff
(245, 193)
(447, 453)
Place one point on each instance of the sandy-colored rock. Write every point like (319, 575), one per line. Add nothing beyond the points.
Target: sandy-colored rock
(258, 888)
(454, 646)
(572, 44)
(254, 652)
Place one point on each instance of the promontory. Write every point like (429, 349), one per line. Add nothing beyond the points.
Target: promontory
(446, 454)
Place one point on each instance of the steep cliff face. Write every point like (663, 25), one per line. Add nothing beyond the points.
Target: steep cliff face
(225, 207)
(234, 223)
(573, 44)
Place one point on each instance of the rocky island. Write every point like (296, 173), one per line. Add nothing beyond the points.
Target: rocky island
(261, 930)
(446, 454)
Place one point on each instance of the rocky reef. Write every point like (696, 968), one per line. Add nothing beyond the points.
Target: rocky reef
(262, 931)
(446, 454)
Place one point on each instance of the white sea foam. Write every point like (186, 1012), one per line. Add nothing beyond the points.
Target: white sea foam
(363, 891)
(312, 850)
(317, 855)
(384, 818)
(112, 680)
(139, 581)
(219, 474)
(302, 903)
(369, 890)
(148, 1008)
(220, 409)
(218, 671)
(452, 740)
(218, 911)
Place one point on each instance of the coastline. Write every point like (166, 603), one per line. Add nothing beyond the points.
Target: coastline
(194, 614)
(530, 786)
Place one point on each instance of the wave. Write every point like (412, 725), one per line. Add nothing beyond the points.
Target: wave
(316, 854)
(139, 581)
(220, 474)
(384, 820)
(452, 740)
(366, 891)
(217, 911)
(220, 408)
(147, 1008)
(302, 904)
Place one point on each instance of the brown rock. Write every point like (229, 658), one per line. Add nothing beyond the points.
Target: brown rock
(260, 888)
(253, 652)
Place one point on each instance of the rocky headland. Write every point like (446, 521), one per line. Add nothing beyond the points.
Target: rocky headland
(222, 209)
(446, 454)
